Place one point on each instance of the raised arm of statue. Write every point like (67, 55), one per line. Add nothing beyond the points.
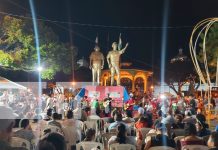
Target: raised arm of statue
(124, 49)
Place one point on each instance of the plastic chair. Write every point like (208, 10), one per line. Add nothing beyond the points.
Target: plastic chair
(195, 147)
(71, 135)
(144, 132)
(179, 132)
(105, 138)
(97, 119)
(151, 134)
(113, 130)
(117, 146)
(178, 138)
(20, 143)
(89, 145)
(161, 148)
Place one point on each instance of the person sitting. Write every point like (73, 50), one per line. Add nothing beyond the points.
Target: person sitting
(121, 136)
(159, 118)
(202, 129)
(48, 116)
(141, 113)
(141, 123)
(7, 121)
(212, 142)
(26, 131)
(161, 139)
(79, 114)
(128, 117)
(178, 122)
(191, 137)
(52, 141)
(69, 121)
(168, 119)
(90, 135)
(188, 118)
(118, 120)
(53, 122)
(113, 113)
(200, 117)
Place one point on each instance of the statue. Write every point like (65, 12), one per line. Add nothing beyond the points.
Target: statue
(113, 60)
(96, 64)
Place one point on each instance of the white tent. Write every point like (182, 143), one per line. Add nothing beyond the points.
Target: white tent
(7, 84)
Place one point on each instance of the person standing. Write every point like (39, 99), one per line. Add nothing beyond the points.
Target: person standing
(96, 106)
(107, 105)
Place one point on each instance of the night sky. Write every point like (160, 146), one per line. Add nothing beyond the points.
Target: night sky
(144, 43)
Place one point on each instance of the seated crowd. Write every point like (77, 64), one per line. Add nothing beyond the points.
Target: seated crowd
(145, 130)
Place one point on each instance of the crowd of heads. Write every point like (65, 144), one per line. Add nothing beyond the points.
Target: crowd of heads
(159, 114)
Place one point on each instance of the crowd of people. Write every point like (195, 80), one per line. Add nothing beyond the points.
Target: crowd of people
(58, 123)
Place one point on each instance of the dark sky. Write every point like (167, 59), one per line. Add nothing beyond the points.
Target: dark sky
(145, 43)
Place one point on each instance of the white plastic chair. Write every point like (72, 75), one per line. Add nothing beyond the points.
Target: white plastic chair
(151, 134)
(96, 119)
(178, 138)
(105, 119)
(195, 147)
(89, 145)
(80, 124)
(71, 135)
(20, 143)
(144, 132)
(117, 146)
(161, 148)
(105, 138)
(113, 130)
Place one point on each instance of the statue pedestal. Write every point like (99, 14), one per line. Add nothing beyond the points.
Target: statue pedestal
(117, 93)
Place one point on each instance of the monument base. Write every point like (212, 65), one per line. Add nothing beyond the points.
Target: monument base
(118, 94)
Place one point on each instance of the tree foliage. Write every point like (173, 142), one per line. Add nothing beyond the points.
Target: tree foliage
(18, 51)
(179, 73)
(211, 49)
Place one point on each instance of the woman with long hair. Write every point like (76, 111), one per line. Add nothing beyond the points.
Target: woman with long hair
(121, 136)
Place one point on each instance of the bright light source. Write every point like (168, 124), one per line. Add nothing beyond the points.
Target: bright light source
(39, 69)
(28, 90)
(73, 83)
(152, 87)
(162, 96)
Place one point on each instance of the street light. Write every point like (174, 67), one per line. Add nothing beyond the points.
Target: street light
(39, 68)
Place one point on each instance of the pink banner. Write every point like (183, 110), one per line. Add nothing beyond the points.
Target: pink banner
(116, 93)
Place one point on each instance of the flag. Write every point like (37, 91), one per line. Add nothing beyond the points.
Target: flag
(120, 43)
(125, 95)
(80, 95)
(96, 41)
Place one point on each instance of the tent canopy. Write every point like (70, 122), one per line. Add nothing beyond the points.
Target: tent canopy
(7, 84)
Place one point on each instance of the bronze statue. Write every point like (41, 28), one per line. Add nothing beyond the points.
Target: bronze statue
(113, 60)
(96, 64)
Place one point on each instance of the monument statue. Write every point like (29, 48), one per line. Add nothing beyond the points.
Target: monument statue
(113, 60)
(96, 64)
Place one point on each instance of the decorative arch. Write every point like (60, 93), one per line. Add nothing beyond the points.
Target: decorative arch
(127, 75)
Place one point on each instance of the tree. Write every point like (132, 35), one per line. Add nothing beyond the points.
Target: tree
(18, 51)
(211, 49)
(180, 71)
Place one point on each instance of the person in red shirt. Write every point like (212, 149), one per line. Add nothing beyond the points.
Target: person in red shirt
(141, 123)
(129, 104)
